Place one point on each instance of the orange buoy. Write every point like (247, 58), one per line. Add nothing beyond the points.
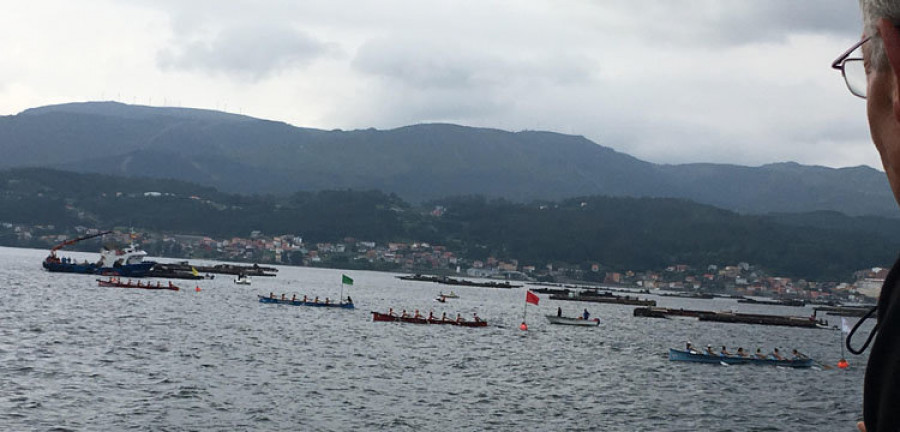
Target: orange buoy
(197, 289)
(524, 326)
(842, 364)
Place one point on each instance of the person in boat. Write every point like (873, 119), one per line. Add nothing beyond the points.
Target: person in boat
(417, 315)
(742, 353)
(294, 298)
(475, 317)
(271, 295)
(316, 300)
(797, 355)
(759, 354)
(690, 348)
(559, 312)
(391, 312)
(404, 314)
(586, 315)
(459, 318)
(725, 352)
(430, 315)
(282, 297)
(349, 300)
(709, 350)
(777, 355)
(327, 300)
(444, 316)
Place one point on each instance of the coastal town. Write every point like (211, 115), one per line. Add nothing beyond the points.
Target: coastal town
(742, 279)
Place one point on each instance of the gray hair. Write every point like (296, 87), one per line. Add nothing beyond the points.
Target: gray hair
(872, 11)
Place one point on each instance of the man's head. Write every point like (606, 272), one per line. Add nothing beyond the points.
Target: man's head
(881, 56)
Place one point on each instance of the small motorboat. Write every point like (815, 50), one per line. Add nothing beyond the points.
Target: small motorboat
(242, 280)
(573, 321)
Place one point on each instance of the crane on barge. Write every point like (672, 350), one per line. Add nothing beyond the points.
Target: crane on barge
(53, 258)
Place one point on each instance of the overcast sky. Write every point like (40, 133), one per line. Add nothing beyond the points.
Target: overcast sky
(669, 81)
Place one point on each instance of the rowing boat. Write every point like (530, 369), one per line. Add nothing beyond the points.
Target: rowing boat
(116, 283)
(376, 316)
(573, 321)
(688, 356)
(264, 299)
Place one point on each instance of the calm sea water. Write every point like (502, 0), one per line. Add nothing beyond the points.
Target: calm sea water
(74, 356)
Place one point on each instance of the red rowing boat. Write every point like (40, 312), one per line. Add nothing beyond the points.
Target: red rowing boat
(376, 316)
(117, 283)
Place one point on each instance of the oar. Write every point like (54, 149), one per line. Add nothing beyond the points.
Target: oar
(823, 365)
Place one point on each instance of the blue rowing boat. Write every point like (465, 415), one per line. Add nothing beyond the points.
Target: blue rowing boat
(681, 355)
(264, 299)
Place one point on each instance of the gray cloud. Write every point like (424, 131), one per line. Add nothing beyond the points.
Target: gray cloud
(733, 22)
(247, 52)
(730, 81)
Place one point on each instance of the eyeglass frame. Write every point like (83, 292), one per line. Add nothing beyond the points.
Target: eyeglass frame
(839, 62)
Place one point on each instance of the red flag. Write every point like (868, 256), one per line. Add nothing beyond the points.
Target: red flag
(532, 298)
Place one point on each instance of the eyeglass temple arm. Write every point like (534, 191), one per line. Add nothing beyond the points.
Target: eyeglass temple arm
(838, 63)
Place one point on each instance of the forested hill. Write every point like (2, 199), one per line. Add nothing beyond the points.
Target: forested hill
(240, 154)
(619, 233)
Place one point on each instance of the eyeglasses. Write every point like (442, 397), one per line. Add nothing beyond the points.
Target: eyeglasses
(853, 69)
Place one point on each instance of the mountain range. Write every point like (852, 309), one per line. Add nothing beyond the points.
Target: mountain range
(241, 154)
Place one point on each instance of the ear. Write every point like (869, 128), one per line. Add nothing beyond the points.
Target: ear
(890, 35)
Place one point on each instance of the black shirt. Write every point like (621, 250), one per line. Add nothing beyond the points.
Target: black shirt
(881, 395)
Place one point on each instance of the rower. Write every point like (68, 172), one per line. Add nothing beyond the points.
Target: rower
(724, 352)
(271, 295)
(294, 298)
(709, 350)
(475, 317)
(430, 315)
(327, 300)
(444, 316)
(391, 312)
(404, 314)
(304, 298)
(349, 300)
(459, 318)
(586, 315)
(741, 352)
(797, 355)
(417, 315)
(282, 297)
(759, 354)
(316, 300)
(775, 354)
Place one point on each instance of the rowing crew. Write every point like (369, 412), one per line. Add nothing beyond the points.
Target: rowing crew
(117, 280)
(774, 355)
(431, 317)
(304, 299)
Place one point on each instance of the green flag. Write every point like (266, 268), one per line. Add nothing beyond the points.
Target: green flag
(346, 280)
